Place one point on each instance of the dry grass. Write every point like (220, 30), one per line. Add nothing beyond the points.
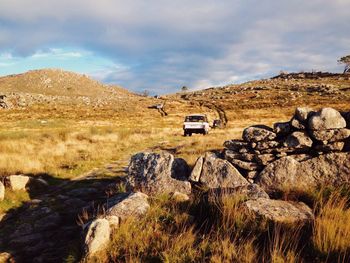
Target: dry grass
(332, 229)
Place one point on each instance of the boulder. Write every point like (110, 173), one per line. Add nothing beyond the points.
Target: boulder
(325, 119)
(283, 174)
(249, 166)
(157, 173)
(258, 133)
(216, 172)
(2, 191)
(17, 182)
(97, 236)
(235, 145)
(322, 135)
(331, 169)
(197, 169)
(264, 145)
(330, 135)
(128, 205)
(282, 128)
(298, 140)
(264, 159)
(280, 211)
(303, 113)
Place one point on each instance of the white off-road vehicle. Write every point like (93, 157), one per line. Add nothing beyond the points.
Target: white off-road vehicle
(196, 123)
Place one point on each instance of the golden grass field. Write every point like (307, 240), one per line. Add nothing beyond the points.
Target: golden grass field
(68, 142)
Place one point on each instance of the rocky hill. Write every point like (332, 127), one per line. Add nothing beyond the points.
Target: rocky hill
(55, 86)
(285, 90)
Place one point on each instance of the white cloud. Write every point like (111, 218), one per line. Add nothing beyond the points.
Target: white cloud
(165, 44)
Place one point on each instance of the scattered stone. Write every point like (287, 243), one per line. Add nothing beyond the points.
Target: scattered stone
(298, 140)
(322, 135)
(280, 211)
(128, 205)
(17, 182)
(2, 191)
(97, 237)
(301, 157)
(325, 119)
(154, 173)
(264, 159)
(251, 174)
(217, 173)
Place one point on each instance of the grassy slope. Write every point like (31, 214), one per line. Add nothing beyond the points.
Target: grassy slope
(67, 142)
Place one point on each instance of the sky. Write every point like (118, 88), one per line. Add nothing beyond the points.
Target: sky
(162, 45)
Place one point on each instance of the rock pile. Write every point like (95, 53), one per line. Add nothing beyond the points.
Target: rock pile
(308, 150)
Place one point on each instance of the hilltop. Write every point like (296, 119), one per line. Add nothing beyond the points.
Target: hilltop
(54, 87)
(56, 82)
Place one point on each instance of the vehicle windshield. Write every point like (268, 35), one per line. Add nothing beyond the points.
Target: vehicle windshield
(195, 119)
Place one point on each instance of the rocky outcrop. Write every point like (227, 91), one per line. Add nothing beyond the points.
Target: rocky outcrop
(304, 152)
(156, 173)
(214, 172)
(280, 211)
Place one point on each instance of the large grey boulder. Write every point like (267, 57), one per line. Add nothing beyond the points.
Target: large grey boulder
(17, 182)
(97, 236)
(2, 191)
(298, 140)
(325, 119)
(283, 174)
(214, 172)
(258, 133)
(280, 211)
(330, 169)
(157, 173)
(128, 205)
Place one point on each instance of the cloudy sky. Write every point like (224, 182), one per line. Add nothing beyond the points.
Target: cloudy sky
(162, 45)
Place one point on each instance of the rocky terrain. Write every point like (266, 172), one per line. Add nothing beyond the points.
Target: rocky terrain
(269, 176)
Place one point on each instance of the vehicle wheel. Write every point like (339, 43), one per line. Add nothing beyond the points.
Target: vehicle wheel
(185, 133)
(205, 132)
(190, 133)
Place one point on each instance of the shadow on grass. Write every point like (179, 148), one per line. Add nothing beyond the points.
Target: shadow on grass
(46, 228)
